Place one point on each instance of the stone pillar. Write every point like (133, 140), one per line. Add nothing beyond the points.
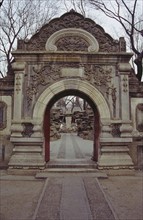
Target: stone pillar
(114, 151)
(18, 95)
(124, 69)
(106, 129)
(115, 154)
(126, 128)
(25, 133)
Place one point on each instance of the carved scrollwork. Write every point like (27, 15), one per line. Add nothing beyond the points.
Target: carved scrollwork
(46, 75)
(18, 83)
(28, 129)
(41, 77)
(116, 130)
(125, 84)
(98, 75)
(76, 21)
(112, 91)
(139, 117)
(51, 73)
(72, 43)
(31, 91)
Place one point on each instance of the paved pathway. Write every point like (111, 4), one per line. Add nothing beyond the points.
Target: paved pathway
(73, 197)
(71, 150)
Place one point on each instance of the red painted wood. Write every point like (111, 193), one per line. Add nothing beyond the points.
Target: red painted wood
(96, 136)
(47, 134)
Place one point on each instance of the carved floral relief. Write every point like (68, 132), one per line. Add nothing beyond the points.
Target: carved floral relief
(98, 76)
(72, 20)
(139, 117)
(72, 43)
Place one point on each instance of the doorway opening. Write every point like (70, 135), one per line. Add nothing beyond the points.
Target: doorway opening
(71, 130)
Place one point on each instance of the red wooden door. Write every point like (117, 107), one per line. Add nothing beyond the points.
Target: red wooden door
(96, 136)
(47, 134)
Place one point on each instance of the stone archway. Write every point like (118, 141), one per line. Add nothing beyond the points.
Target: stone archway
(71, 53)
(71, 87)
(47, 116)
(71, 84)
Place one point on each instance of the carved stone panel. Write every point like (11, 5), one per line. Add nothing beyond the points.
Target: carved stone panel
(72, 43)
(42, 76)
(3, 115)
(76, 21)
(139, 117)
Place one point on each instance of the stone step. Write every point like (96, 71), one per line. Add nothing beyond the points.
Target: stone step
(46, 173)
(73, 166)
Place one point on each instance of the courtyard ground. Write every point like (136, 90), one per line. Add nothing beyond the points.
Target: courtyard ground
(27, 198)
(54, 194)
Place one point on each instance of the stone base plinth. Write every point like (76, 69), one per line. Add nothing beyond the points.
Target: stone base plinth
(115, 157)
(27, 154)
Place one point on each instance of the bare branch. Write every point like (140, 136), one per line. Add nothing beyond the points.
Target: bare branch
(21, 20)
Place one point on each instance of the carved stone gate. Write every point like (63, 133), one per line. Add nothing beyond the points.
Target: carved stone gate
(71, 55)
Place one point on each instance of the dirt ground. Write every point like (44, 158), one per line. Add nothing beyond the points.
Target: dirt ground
(125, 194)
(19, 196)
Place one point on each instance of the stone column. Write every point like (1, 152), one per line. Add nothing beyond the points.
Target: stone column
(18, 96)
(25, 133)
(17, 127)
(106, 129)
(114, 152)
(126, 128)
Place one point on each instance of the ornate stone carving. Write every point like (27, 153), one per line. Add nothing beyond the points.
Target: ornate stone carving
(72, 39)
(139, 117)
(51, 73)
(72, 44)
(7, 85)
(71, 20)
(28, 129)
(3, 115)
(98, 75)
(44, 76)
(116, 130)
(125, 84)
(112, 91)
(31, 91)
(18, 83)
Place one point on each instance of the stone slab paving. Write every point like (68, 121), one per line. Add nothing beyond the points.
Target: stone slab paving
(71, 150)
(62, 147)
(49, 206)
(73, 197)
(74, 203)
(77, 149)
(21, 197)
(100, 208)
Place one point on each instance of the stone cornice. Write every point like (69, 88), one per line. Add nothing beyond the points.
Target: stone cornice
(44, 56)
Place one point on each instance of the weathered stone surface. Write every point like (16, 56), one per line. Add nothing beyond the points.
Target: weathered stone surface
(72, 55)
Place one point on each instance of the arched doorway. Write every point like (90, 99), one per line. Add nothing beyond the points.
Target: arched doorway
(46, 121)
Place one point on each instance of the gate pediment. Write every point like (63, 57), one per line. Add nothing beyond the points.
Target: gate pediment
(72, 39)
(80, 34)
